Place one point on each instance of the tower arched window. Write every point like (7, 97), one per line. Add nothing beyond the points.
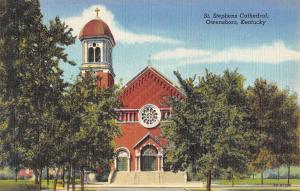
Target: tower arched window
(97, 54)
(91, 54)
(94, 52)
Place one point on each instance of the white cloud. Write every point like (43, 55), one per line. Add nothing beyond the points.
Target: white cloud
(121, 35)
(180, 53)
(274, 53)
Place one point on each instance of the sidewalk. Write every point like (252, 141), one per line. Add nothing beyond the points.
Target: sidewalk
(106, 185)
(187, 186)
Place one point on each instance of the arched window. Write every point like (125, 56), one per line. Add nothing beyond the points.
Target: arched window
(91, 54)
(149, 150)
(122, 161)
(148, 158)
(98, 54)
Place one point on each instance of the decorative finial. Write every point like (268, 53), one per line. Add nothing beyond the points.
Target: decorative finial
(97, 10)
(149, 60)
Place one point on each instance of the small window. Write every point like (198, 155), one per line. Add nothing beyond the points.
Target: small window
(91, 54)
(98, 54)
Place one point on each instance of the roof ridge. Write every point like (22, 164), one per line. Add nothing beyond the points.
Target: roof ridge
(155, 71)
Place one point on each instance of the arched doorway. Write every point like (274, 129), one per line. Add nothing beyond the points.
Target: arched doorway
(122, 161)
(148, 159)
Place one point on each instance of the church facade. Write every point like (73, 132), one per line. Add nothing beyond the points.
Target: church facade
(141, 146)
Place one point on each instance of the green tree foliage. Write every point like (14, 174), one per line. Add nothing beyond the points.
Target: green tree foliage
(42, 125)
(31, 83)
(208, 129)
(90, 124)
(273, 113)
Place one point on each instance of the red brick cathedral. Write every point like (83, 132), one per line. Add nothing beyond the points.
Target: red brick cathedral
(141, 146)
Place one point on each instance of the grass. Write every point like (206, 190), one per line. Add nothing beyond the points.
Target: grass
(26, 185)
(11, 185)
(256, 181)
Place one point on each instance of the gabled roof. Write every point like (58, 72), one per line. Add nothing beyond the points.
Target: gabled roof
(156, 72)
(148, 87)
(145, 137)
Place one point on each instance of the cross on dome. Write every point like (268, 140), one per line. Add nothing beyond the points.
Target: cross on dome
(97, 10)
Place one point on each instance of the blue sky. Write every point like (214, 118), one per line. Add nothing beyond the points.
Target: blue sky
(176, 36)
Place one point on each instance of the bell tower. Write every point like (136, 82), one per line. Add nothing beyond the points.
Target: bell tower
(97, 44)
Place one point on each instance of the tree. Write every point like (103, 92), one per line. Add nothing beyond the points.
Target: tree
(91, 125)
(288, 136)
(32, 82)
(263, 161)
(273, 114)
(208, 128)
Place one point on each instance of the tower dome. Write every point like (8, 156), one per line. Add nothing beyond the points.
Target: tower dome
(96, 28)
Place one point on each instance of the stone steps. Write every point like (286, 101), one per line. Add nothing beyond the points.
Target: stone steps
(148, 178)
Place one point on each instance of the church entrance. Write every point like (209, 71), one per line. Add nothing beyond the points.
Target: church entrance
(148, 159)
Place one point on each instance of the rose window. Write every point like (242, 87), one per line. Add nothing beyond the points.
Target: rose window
(149, 116)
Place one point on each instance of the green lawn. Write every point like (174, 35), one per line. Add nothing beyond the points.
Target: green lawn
(11, 185)
(257, 181)
(28, 185)
(25, 185)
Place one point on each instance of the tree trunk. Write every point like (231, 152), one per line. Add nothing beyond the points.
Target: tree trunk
(81, 179)
(232, 180)
(73, 178)
(40, 180)
(36, 178)
(16, 174)
(63, 177)
(262, 177)
(278, 175)
(55, 184)
(208, 183)
(289, 173)
(47, 177)
(55, 178)
(253, 176)
(69, 178)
